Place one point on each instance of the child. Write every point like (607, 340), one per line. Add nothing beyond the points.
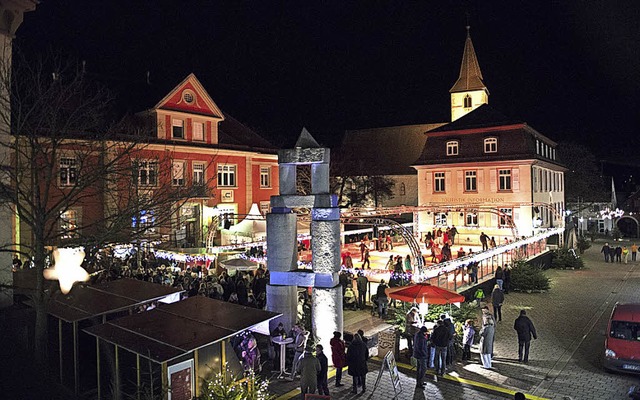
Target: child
(467, 339)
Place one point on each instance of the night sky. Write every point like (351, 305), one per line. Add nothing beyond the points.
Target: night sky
(571, 69)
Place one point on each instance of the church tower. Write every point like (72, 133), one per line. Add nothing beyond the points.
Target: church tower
(469, 92)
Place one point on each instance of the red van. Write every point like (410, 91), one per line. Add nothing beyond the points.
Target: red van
(622, 343)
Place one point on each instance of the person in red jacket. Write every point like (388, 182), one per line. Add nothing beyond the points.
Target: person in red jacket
(338, 356)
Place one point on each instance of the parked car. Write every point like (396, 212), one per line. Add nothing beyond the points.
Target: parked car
(622, 342)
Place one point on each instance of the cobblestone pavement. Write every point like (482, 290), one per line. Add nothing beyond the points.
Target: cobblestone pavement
(565, 361)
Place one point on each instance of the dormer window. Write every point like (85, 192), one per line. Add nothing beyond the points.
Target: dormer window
(452, 148)
(491, 145)
(177, 129)
(467, 101)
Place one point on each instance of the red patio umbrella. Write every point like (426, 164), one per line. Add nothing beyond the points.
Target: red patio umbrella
(424, 293)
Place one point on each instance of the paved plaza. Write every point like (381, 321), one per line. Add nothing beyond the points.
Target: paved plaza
(565, 360)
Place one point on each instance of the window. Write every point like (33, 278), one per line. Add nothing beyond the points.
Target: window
(144, 222)
(177, 173)
(505, 217)
(177, 129)
(440, 219)
(69, 224)
(68, 171)
(438, 182)
(198, 173)
(470, 181)
(491, 145)
(504, 179)
(471, 219)
(403, 189)
(265, 177)
(226, 175)
(198, 131)
(625, 330)
(147, 173)
(467, 101)
(537, 146)
(452, 148)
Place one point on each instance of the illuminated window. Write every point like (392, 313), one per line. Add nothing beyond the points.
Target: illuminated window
(440, 219)
(452, 148)
(505, 217)
(198, 173)
(69, 224)
(198, 131)
(491, 145)
(146, 173)
(68, 171)
(226, 175)
(265, 177)
(504, 179)
(471, 219)
(467, 101)
(177, 173)
(470, 181)
(177, 129)
(144, 222)
(537, 146)
(438, 182)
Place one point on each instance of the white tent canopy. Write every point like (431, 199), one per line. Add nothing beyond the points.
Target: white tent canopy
(252, 228)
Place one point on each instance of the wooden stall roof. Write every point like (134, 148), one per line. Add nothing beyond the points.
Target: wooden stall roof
(89, 301)
(172, 330)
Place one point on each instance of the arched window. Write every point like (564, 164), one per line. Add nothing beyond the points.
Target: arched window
(403, 189)
(467, 101)
(491, 145)
(452, 148)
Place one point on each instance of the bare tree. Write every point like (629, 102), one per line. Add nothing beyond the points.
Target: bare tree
(63, 153)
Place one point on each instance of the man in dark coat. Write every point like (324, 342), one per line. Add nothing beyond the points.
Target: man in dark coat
(606, 251)
(323, 385)
(526, 330)
(421, 354)
(362, 283)
(440, 339)
(357, 355)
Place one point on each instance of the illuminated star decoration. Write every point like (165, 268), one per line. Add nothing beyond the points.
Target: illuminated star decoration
(67, 269)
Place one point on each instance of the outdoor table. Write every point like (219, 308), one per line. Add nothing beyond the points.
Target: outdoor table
(283, 342)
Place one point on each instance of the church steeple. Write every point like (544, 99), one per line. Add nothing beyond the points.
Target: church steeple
(469, 91)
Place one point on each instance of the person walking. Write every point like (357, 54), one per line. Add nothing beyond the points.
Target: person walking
(526, 330)
(499, 275)
(487, 334)
(309, 370)
(357, 355)
(606, 251)
(634, 252)
(323, 378)
(440, 339)
(338, 356)
(362, 283)
(618, 253)
(467, 339)
(411, 327)
(421, 354)
(483, 241)
(507, 279)
(383, 301)
(625, 254)
(300, 344)
(452, 234)
(497, 298)
(366, 259)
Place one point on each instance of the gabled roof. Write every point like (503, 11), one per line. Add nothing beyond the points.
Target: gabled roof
(384, 151)
(470, 75)
(233, 132)
(482, 117)
(201, 103)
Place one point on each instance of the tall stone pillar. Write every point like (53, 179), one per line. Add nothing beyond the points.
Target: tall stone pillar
(326, 302)
(282, 256)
